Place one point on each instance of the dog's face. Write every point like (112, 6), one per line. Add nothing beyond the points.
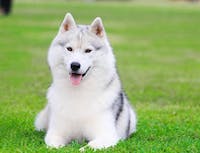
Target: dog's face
(80, 48)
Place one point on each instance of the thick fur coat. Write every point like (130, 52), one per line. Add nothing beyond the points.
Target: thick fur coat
(85, 100)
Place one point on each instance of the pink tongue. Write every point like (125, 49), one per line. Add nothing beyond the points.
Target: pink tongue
(75, 79)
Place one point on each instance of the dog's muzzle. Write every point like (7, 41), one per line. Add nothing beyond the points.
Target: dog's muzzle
(75, 77)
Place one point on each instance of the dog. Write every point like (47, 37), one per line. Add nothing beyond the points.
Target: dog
(85, 100)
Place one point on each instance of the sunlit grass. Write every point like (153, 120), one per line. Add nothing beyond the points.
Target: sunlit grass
(157, 51)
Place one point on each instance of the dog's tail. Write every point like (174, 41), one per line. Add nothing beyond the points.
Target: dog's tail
(41, 122)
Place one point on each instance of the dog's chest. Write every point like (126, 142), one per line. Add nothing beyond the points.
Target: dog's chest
(77, 105)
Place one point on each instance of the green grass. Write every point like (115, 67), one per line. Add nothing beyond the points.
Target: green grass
(158, 57)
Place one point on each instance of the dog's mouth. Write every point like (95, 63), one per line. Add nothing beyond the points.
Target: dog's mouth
(76, 78)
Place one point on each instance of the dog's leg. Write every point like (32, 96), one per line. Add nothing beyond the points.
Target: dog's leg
(57, 134)
(41, 122)
(54, 139)
(103, 132)
(133, 121)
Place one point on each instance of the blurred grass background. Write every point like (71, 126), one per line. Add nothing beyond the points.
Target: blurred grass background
(158, 56)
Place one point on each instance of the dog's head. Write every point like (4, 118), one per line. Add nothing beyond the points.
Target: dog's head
(80, 49)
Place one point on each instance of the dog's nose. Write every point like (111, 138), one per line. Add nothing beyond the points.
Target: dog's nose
(75, 66)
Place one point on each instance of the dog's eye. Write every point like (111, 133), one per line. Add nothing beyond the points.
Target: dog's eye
(69, 49)
(88, 50)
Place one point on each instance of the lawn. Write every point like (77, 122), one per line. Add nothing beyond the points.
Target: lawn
(158, 57)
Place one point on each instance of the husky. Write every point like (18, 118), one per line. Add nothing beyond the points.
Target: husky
(85, 100)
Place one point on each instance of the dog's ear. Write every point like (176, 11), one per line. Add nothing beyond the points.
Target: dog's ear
(97, 27)
(68, 23)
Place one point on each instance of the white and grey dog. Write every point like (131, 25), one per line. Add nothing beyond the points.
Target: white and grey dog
(85, 100)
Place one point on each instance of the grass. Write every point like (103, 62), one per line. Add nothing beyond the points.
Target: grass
(158, 57)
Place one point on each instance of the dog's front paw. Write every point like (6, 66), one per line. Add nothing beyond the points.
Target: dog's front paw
(54, 141)
(99, 144)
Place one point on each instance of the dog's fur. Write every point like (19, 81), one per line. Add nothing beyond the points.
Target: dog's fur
(89, 103)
